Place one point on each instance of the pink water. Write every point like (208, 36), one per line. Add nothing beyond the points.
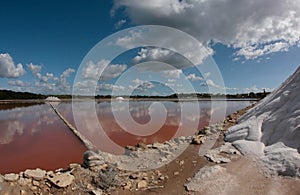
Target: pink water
(34, 136)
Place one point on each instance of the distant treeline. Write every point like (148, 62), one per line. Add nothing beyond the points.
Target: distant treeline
(12, 95)
(197, 95)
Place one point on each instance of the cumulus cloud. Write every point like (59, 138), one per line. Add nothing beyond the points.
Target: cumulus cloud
(254, 28)
(18, 83)
(141, 85)
(34, 69)
(63, 84)
(172, 73)
(193, 77)
(256, 89)
(8, 69)
(102, 71)
(120, 23)
(109, 87)
(172, 47)
(160, 55)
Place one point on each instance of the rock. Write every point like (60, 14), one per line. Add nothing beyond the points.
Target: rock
(33, 188)
(133, 176)
(74, 166)
(216, 158)
(208, 179)
(1, 179)
(158, 173)
(90, 187)
(36, 174)
(161, 178)
(35, 183)
(176, 173)
(181, 162)
(145, 178)
(198, 139)
(132, 148)
(91, 159)
(142, 146)
(23, 192)
(62, 180)
(24, 181)
(11, 177)
(157, 145)
(142, 184)
(127, 186)
(97, 192)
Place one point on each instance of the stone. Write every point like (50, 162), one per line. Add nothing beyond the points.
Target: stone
(1, 179)
(176, 173)
(157, 145)
(97, 192)
(158, 173)
(142, 146)
(132, 148)
(11, 177)
(142, 184)
(127, 186)
(161, 178)
(89, 187)
(198, 139)
(35, 183)
(36, 174)
(62, 180)
(23, 192)
(133, 176)
(181, 162)
(216, 158)
(24, 181)
(74, 166)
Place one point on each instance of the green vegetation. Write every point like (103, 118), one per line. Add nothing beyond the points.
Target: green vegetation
(12, 95)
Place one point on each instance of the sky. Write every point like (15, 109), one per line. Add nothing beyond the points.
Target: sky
(65, 47)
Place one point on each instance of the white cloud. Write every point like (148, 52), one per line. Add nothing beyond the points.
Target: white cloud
(120, 23)
(107, 72)
(141, 85)
(181, 51)
(207, 74)
(211, 83)
(108, 87)
(34, 69)
(8, 69)
(161, 55)
(171, 80)
(256, 89)
(255, 28)
(18, 83)
(172, 73)
(193, 77)
(63, 84)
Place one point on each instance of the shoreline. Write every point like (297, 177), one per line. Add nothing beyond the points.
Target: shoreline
(97, 175)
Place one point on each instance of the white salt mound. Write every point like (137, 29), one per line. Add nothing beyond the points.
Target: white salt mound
(271, 130)
(52, 99)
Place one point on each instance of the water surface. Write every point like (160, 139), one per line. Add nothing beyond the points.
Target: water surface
(32, 135)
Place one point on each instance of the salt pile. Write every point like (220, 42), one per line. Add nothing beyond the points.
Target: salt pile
(271, 130)
(52, 99)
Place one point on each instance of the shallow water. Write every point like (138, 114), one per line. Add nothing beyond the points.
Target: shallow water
(33, 136)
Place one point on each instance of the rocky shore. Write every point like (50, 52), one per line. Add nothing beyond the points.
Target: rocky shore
(186, 165)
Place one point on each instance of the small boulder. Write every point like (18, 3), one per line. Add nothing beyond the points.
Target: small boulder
(142, 184)
(36, 174)
(62, 180)
(11, 177)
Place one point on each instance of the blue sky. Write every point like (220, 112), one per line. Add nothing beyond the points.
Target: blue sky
(43, 44)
